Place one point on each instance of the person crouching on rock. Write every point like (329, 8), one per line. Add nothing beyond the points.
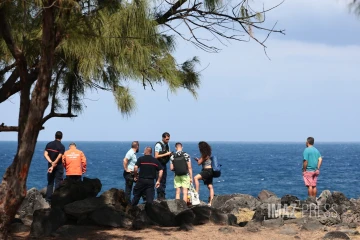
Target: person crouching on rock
(311, 166)
(74, 162)
(206, 173)
(149, 166)
(180, 163)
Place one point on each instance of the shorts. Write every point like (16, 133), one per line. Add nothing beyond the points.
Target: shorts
(310, 178)
(207, 175)
(182, 181)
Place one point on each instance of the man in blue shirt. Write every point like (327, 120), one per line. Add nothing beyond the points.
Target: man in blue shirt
(129, 164)
(311, 166)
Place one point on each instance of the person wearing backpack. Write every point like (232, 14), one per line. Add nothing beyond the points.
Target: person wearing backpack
(162, 153)
(206, 173)
(180, 163)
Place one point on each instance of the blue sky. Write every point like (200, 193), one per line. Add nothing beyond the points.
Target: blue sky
(308, 88)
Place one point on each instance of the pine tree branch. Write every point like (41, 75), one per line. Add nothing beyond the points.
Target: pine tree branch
(7, 68)
(173, 10)
(7, 87)
(60, 115)
(6, 35)
(11, 87)
(4, 128)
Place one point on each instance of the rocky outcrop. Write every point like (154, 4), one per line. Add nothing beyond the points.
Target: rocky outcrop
(232, 203)
(46, 221)
(264, 195)
(110, 209)
(71, 191)
(159, 212)
(32, 202)
(290, 200)
(109, 216)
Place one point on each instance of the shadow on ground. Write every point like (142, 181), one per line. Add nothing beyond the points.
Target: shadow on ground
(75, 232)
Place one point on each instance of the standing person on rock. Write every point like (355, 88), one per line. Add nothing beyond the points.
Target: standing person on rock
(149, 166)
(53, 153)
(180, 163)
(311, 166)
(129, 164)
(206, 173)
(74, 162)
(162, 153)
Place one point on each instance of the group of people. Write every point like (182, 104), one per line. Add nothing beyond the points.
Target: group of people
(73, 160)
(153, 171)
(142, 171)
(149, 172)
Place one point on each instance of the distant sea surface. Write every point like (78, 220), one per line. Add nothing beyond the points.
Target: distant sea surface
(246, 167)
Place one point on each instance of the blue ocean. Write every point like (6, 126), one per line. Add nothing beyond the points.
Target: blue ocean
(246, 167)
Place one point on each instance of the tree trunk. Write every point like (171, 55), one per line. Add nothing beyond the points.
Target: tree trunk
(13, 186)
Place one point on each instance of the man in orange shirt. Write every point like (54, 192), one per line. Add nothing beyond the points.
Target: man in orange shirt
(74, 162)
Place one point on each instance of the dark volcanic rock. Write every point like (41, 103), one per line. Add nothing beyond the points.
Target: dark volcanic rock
(71, 191)
(336, 235)
(114, 197)
(18, 227)
(351, 218)
(205, 214)
(290, 200)
(46, 221)
(160, 213)
(232, 203)
(108, 216)
(176, 206)
(202, 214)
(265, 195)
(142, 221)
(185, 217)
(79, 208)
(32, 202)
(311, 224)
(330, 221)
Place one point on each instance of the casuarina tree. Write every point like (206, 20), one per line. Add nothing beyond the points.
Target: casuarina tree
(53, 51)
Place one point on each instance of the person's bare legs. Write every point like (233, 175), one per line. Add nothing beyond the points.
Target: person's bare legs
(177, 196)
(197, 184)
(309, 191)
(314, 190)
(211, 190)
(185, 193)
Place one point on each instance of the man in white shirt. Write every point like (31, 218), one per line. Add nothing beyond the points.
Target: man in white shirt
(129, 164)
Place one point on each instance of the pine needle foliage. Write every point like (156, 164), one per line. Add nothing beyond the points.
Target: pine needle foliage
(101, 45)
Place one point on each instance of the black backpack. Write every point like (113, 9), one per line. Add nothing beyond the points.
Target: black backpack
(180, 165)
(164, 149)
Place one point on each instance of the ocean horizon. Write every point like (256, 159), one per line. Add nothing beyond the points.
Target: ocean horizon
(247, 167)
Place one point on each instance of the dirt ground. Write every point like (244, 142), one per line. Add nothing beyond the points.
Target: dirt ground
(198, 233)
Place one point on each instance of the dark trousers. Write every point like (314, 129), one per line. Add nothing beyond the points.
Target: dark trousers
(143, 186)
(75, 178)
(55, 176)
(129, 182)
(161, 189)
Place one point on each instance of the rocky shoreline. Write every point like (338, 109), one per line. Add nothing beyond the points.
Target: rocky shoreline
(77, 204)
